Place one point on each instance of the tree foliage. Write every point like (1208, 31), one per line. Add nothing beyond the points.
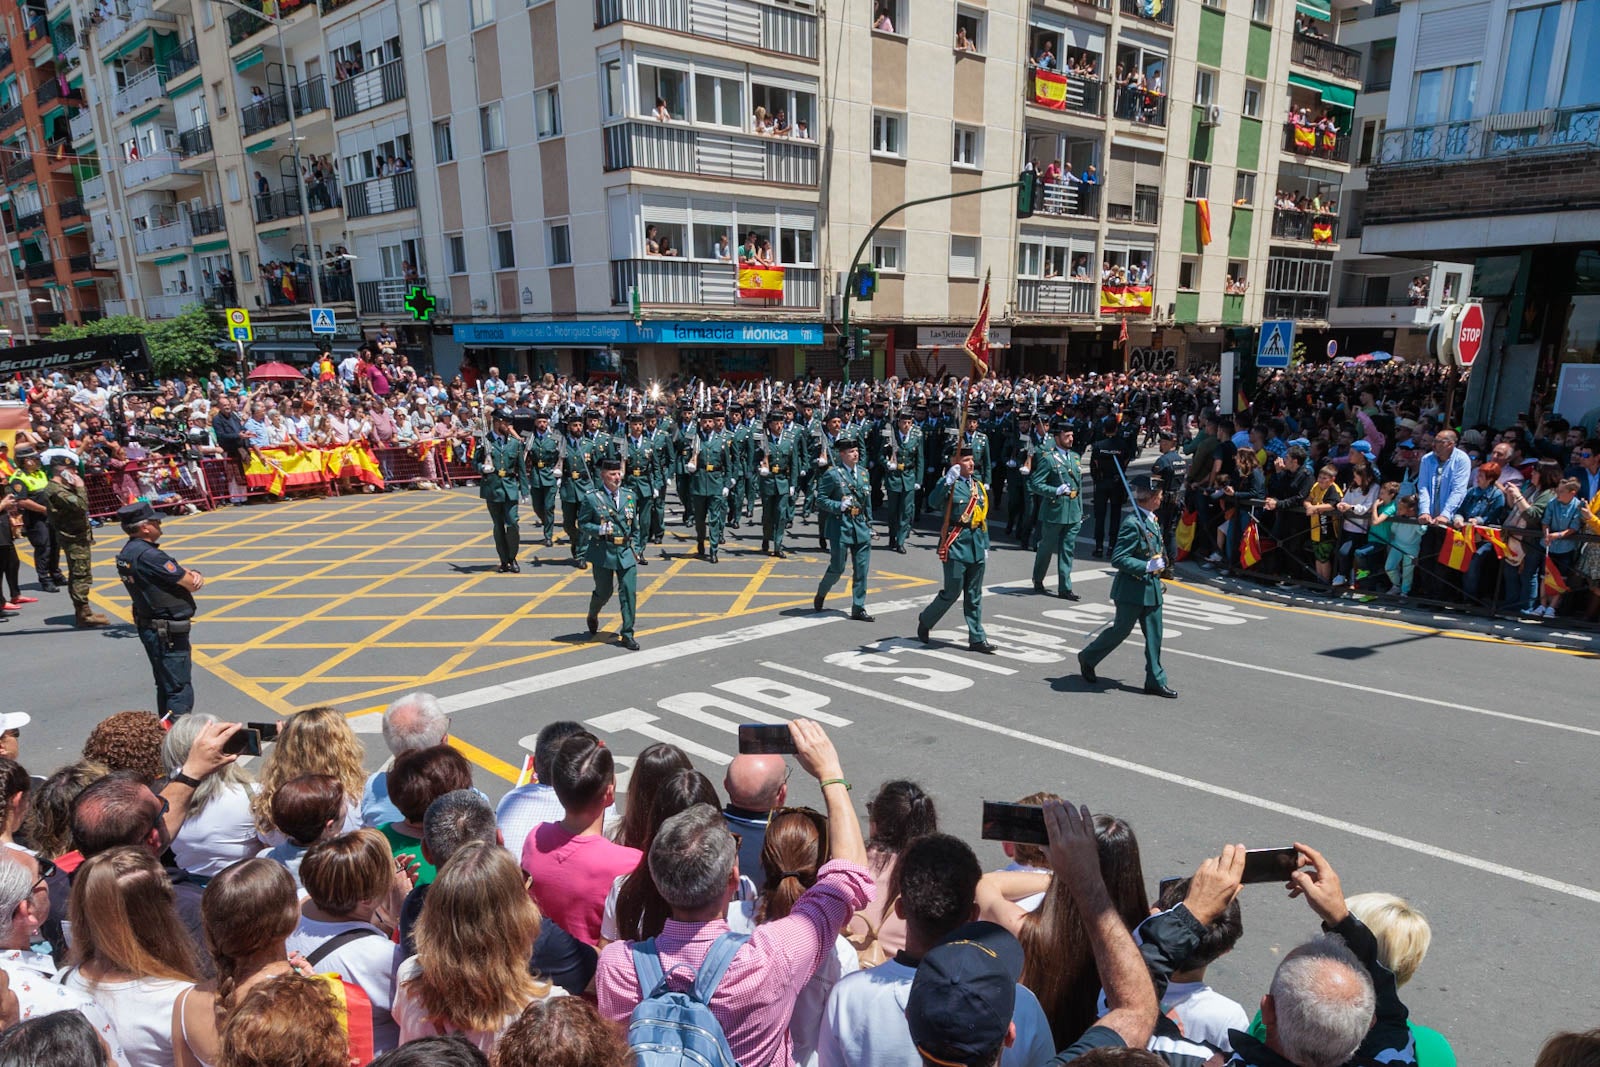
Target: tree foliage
(177, 345)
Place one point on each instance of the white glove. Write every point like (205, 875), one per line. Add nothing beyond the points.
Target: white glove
(487, 468)
(765, 470)
(724, 490)
(689, 467)
(822, 461)
(654, 493)
(792, 492)
(953, 473)
(1063, 490)
(1155, 565)
(848, 502)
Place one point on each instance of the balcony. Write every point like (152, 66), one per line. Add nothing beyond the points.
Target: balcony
(243, 25)
(5, 57)
(10, 116)
(82, 124)
(71, 208)
(140, 88)
(31, 221)
(273, 110)
(123, 17)
(1295, 306)
(1144, 207)
(168, 305)
(1316, 227)
(19, 168)
(1551, 130)
(679, 281)
(1070, 200)
(330, 6)
(1308, 142)
(206, 221)
(369, 89)
(710, 153)
(385, 297)
(37, 271)
(1066, 92)
(750, 23)
(143, 171)
(194, 142)
(104, 255)
(273, 292)
(50, 90)
(338, 287)
(187, 57)
(283, 204)
(1140, 106)
(49, 320)
(1058, 296)
(65, 42)
(1313, 53)
(80, 263)
(175, 234)
(1150, 10)
(94, 188)
(397, 192)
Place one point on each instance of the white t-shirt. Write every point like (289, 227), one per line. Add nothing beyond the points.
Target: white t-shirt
(741, 912)
(806, 1021)
(414, 1023)
(31, 975)
(864, 1023)
(140, 1012)
(1203, 1014)
(368, 962)
(223, 833)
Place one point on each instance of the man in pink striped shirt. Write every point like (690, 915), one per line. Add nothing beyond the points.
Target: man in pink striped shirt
(694, 862)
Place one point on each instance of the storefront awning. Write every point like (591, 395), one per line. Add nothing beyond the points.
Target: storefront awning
(1332, 95)
(1317, 9)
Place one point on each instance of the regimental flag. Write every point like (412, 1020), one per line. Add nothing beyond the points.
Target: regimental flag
(1553, 584)
(977, 342)
(1050, 89)
(760, 283)
(1122, 337)
(1493, 537)
(1186, 525)
(1202, 214)
(1456, 553)
(1125, 298)
(1322, 231)
(1250, 546)
(1305, 138)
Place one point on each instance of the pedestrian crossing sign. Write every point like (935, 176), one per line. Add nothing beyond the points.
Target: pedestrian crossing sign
(1277, 341)
(322, 321)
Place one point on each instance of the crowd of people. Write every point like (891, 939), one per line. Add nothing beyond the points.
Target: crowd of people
(161, 904)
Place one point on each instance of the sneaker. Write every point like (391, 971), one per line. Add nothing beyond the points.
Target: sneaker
(1548, 611)
(1339, 580)
(1215, 557)
(1537, 611)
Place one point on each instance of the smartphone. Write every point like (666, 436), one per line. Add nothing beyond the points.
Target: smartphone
(267, 730)
(1270, 864)
(243, 742)
(765, 739)
(1021, 824)
(1166, 884)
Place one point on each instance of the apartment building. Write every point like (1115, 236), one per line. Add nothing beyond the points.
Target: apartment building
(1491, 156)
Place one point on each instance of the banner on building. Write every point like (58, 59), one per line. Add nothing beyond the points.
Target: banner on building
(1134, 298)
(1050, 89)
(1202, 215)
(1322, 231)
(760, 283)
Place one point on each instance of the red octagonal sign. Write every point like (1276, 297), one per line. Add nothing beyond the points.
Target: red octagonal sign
(1469, 334)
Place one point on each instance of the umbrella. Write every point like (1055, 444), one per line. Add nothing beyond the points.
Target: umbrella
(275, 372)
(1379, 357)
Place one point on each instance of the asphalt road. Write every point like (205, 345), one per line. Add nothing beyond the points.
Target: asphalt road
(1447, 766)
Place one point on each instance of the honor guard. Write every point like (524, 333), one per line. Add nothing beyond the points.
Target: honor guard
(637, 451)
(709, 478)
(963, 549)
(610, 522)
(1136, 590)
(775, 475)
(684, 433)
(739, 435)
(541, 462)
(902, 471)
(576, 453)
(842, 499)
(162, 592)
(1171, 467)
(1057, 482)
(501, 487)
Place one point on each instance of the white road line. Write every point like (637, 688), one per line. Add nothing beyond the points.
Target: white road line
(1358, 687)
(1046, 625)
(1356, 829)
(965, 661)
(639, 722)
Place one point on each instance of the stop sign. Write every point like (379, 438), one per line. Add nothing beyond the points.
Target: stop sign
(1469, 334)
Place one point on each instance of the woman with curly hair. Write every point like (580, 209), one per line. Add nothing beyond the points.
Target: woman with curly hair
(48, 825)
(287, 1020)
(128, 741)
(564, 1032)
(314, 741)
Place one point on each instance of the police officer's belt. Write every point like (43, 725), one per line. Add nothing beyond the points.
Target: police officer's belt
(619, 540)
(638, 472)
(710, 467)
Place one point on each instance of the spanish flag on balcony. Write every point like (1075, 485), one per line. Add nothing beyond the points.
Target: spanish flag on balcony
(1305, 138)
(1456, 552)
(1202, 214)
(1250, 546)
(1322, 231)
(760, 283)
(1133, 298)
(1330, 141)
(1050, 89)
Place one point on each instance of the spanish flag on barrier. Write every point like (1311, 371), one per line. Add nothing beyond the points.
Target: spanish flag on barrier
(1322, 231)
(1493, 537)
(1553, 584)
(279, 469)
(1250, 547)
(1050, 89)
(1202, 215)
(977, 342)
(760, 283)
(1186, 524)
(1305, 138)
(353, 461)
(1456, 553)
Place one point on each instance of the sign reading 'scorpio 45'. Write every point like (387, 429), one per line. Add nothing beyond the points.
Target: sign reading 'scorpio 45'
(125, 349)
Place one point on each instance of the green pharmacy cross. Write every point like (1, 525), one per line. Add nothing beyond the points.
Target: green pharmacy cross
(420, 303)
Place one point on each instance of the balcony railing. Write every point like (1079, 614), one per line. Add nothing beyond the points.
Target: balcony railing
(140, 171)
(5, 57)
(396, 192)
(283, 204)
(338, 287)
(1295, 306)
(43, 269)
(104, 254)
(168, 305)
(1058, 296)
(299, 292)
(66, 45)
(207, 220)
(82, 124)
(383, 297)
(94, 188)
(369, 89)
(49, 320)
(680, 281)
(19, 168)
(71, 208)
(187, 57)
(1150, 10)
(1082, 96)
(81, 262)
(175, 234)
(243, 25)
(1548, 130)
(1308, 142)
(139, 90)
(306, 97)
(1072, 199)
(330, 6)
(10, 116)
(194, 142)
(1145, 206)
(1140, 106)
(751, 23)
(1318, 227)
(1314, 53)
(125, 16)
(712, 153)
(31, 221)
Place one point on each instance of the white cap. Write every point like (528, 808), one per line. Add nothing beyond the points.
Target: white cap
(14, 720)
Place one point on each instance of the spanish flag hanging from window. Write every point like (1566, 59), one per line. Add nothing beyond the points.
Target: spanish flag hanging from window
(1049, 89)
(760, 283)
(1322, 231)
(1202, 214)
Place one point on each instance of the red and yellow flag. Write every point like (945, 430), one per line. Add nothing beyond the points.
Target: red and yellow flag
(1115, 298)
(1495, 538)
(1553, 584)
(760, 283)
(1250, 547)
(1456, 553)
(1322, 231)
(1185, 533)
(1305, 138)
(1202, 214)
(1330, 140)
(977, 342)
(1050, 89)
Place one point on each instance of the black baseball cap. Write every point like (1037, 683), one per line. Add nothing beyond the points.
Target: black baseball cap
(964, 994)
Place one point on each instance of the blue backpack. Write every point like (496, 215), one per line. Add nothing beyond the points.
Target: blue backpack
(670, 1029)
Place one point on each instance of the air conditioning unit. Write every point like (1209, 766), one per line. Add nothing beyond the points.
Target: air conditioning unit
(1213, 116)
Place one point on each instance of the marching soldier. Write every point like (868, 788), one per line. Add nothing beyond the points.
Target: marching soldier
(501, 488)
(963, 550)
(638, 455)
(876, 430)
(661, 444)
(577, 452)
(822, 448)
(707, 464)
(1020, 462)
(975, 440)
(1057, 482)
(775, 470)
(739, 434)
(683, 442)
(544, 480)
(28, 488)
(1136, 591)
(1106, 459)
(610, 522)
(842, 499)
(162, 592)
(68, 501)
(902, 469)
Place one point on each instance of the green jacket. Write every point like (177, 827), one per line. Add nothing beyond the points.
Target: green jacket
(542, 455)
(1138, 542)
(739, 458)
(972, 543)
(577, 476)
(711, 462)
(1052, 468)
(661, 442)
(502, 482)
(779, 456)
(903, 462)
(69, 511)
(614, 548)
(639, 463)
(846, 524)
(683, 434)
(981, 463)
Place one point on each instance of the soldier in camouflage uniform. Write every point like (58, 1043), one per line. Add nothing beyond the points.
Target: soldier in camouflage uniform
(68, 502)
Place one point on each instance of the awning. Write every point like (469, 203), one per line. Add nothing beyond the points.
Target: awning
(1333, 95)
(70, 230)
(212, 246)
(270, 235)
(167, 261)
(141, 41)
(262, 146)
(84, 283)
(1317, 9)
(149, 116)
(182, 85)
(252, 59)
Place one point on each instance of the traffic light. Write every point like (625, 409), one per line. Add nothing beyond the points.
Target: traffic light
(866, 282)
(863, 346)
(1027, 194)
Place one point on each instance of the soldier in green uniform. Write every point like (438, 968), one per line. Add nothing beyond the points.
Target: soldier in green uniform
(637, 451)
(775, 474)
(739, 434)
(501, 487)
(964, 551)
(707, 464)
(975, 440)
(683, 435)
(610, 521)
(843, 494)
(576, 453)
(68, 502)
(875, 430)
(541, 463)
(902, 472)
(657, 425)
(1136, 591)
(1057, 481)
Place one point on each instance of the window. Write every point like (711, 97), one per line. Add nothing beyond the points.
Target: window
(971, 30)
(889, 16)
(491, 127)
(719, 101)
(560, 244)
(1380, 65)
(1199, 182)
(1253, 95)
(1371, 137)
(1213, 3)
(233, 183)
(786, 106)
(246, 272)
(1244, 188)
(207, 18)
(1189, 274)
(796, 247)
(547, 112)
(963, 257)
(1205, 87)
(505, 250)
(663, 87)
(482, 12)
(612, 101)
(444, 146)
(968, 151)
(1529, 58)
(432, 22)
(458, 253)
(886, 250)
(1236, 284)
(1580, 83)
(217, 92)
(888, 134)
(1447, 95)
(1261, 11)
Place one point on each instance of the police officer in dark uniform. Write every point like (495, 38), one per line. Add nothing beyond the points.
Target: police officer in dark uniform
(162, 592)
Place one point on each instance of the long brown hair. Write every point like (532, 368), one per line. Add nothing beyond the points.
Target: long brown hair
(654, 766)
(124, 920)
(1058, 964)
(314, 741)
(248, 907)
(289, 1020)
(641, 911)
(796, 845)
(474, 937)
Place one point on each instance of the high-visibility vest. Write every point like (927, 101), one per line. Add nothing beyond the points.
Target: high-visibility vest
(32, 481)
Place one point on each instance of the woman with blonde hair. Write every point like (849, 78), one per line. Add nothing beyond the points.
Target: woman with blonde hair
(474, 938)
(314, 741)
(130, 952)
(219, 827)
